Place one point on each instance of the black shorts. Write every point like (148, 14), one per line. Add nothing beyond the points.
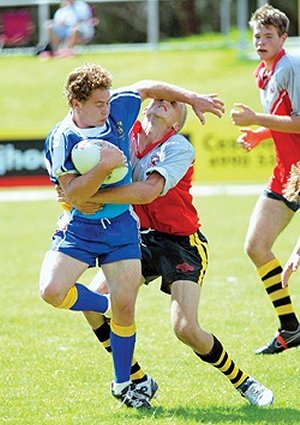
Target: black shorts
(173, 257)
(294, 206)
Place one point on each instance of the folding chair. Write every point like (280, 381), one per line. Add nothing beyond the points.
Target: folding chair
(16, 27)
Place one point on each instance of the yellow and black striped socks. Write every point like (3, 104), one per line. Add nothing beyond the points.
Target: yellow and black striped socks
(219, 358)
(270, 274)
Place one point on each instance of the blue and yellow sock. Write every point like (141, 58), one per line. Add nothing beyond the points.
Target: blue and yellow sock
(122, 340)
(80, 298)
(103, 335)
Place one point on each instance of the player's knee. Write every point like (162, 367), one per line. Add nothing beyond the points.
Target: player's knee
(248, 249)
(255, 249)
(50, 294)
(251, 247)
(123, 311)
(182, 332)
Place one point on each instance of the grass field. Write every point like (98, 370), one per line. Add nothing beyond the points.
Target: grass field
(36, 93)
(53, 370)
(33, 101)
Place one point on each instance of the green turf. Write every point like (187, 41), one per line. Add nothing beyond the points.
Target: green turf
(33, 101)
(53, 370)
(31, 89)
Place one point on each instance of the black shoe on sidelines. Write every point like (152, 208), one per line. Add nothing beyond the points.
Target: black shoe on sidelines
(46, 48)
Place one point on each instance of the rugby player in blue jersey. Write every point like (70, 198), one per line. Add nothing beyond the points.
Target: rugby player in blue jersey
(109, 237)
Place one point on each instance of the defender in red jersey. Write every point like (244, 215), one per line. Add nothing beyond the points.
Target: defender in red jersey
(278, 79)
(173, 247)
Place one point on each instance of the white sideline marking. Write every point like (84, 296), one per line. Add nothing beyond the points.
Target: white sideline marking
(227, 189)
(17, 195)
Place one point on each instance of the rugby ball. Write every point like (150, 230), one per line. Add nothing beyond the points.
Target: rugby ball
(87, 153)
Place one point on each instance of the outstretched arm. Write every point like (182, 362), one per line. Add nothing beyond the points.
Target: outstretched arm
(244, 116)
(201, 103)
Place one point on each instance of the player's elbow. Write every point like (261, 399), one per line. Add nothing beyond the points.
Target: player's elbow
(147, 197)
(76, 195)
(147, 194)
(75, 200)
(154, 187)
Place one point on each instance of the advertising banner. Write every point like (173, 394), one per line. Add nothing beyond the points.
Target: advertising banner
(221, 159)
(218, 160)
(22, 163)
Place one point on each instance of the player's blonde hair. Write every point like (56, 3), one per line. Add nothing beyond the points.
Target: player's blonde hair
(291, 190)
(267, 16)
(81, 82)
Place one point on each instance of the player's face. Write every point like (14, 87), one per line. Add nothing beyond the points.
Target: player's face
(267, 42)
(170, 112)
(94, 111)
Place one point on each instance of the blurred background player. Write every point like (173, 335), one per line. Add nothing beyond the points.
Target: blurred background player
(73, 24)
(278, 79)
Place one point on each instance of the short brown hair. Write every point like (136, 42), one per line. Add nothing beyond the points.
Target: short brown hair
(84, 80)
(268, 16)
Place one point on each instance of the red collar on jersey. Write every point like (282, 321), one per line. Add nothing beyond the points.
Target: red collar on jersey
(262, 75)
(136, 130)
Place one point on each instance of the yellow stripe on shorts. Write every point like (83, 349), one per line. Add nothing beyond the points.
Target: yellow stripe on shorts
(195, 241)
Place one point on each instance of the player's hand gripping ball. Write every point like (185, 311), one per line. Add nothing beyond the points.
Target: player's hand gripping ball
(86, 154)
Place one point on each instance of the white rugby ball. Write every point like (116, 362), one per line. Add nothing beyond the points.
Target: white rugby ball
(86, 154)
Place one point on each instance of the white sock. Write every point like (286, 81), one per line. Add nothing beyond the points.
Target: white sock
(107, 313)
(118, 387)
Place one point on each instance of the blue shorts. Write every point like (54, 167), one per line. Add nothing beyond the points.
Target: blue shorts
(63, 32)
(104, 240)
